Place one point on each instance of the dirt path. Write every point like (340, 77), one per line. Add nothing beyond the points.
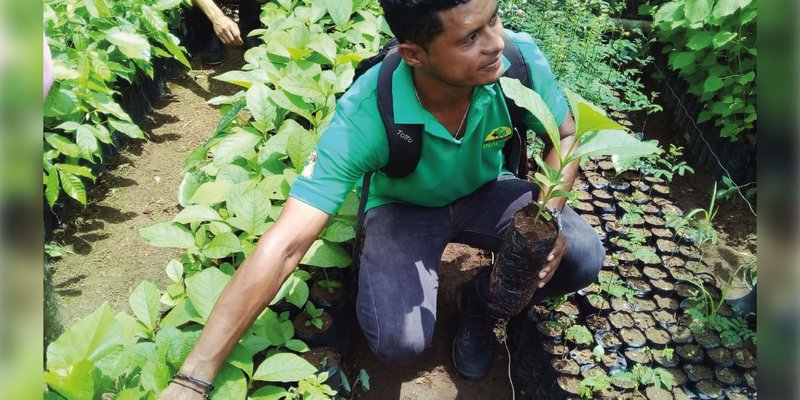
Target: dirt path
(104, 256)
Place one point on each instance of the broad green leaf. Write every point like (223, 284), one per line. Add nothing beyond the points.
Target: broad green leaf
(724, 8)
(697, 10)
(284, 367)
(181, 313)
(162, 5)
(127, 128)
(712, 84)
(239, 144)
(747, 78)
(174, 270)
(295, 104)
(339, 10)
(76, 170)
(241, 357)
(322, 254)
(681, 60)
(52, 187)
(73, 186)
(587, 117)
(92, 338)
(211, 193)
(74, 383)
(62, 144)
(260, 105)
(299, 147)
(101, 133)
(338, 231)
(155, 375)
(241, 78)
(144, 302)
(107, 105)
(60, 102)
(197, 213)
(167, 234)
(232, 386)
(222, 246)
(298, 292)
(699, 40)
(297, 346)
(269, 393)
(87, 143)
(233, 174)
(299, 85)
(69, 126)
(613, 142)
(324, 45)
(132, 45)
(531, 101)
(191, 181)
(203, 289)
(722, 38)
(250, 205)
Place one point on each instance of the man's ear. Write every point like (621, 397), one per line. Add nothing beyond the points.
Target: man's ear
(412, 53)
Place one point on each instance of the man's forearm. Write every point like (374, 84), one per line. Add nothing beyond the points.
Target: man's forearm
(250, 290)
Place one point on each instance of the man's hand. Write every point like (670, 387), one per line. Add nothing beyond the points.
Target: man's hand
(553, 260)
(227, 31)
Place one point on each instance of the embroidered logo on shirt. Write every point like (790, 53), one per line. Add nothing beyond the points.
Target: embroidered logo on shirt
(497, 136)
(308, 170)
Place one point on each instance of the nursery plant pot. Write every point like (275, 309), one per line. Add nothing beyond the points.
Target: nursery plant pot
(326, 359)
(515, 275)
(311, 335)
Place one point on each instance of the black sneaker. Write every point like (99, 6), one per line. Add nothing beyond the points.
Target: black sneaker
(473, 346)
(212, 53)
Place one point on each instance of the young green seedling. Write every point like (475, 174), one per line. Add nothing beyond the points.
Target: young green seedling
(595, 134)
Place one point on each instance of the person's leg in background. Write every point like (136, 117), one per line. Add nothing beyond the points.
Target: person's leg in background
(249, 10)
(481, 221)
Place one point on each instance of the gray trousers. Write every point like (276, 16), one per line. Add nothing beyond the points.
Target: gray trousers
(403, 246)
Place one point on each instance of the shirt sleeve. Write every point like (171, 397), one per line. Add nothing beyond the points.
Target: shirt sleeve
(543, 80)
(344, 153)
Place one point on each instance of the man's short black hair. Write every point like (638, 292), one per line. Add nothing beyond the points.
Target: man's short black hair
(416, 21)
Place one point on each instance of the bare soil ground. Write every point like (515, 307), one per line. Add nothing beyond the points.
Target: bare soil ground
(106, 258)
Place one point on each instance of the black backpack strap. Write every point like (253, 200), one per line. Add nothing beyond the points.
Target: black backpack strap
(515, 149)
(405, 143)
(362, 205)
(405, 140)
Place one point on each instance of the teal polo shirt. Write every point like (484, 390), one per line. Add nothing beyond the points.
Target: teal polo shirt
(355, 141)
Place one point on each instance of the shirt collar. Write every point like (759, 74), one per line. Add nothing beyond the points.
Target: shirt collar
(407, 109)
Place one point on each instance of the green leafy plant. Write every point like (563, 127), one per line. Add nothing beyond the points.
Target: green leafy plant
(641, 375)
(330, 285)
(97, 46)
(587, 51)
(595, 134)
(594, 383)
(315, 314)
(362, 380)
(578, 334)
(712, 45)
(705, 313)
(554, 302)
(665, 164)
(731, 189)
(614, 286)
